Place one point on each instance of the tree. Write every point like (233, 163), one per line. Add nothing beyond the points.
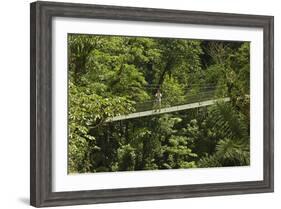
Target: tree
(114, 75)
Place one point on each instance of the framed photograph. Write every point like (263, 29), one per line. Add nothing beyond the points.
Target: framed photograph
(131, 104)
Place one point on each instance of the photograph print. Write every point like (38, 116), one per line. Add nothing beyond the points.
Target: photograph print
(147, 103)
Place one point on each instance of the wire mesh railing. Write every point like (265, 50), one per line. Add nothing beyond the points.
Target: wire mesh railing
(174, 100)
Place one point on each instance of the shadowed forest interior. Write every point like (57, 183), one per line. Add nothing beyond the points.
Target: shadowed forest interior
(143, 103)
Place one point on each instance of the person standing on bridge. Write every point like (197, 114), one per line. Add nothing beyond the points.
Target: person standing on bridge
(158, 98)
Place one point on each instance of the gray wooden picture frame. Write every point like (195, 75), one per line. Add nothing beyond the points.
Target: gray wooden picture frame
(41, 14)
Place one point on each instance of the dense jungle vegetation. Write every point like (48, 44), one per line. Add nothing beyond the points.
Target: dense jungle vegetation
(113, 75)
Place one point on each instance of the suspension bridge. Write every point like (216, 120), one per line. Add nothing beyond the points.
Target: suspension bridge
(172, 103)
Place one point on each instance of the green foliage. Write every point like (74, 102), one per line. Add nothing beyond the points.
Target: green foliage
(88, 110)
(230, 128)
(178, 153)
(126, 158)
(112, 75)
